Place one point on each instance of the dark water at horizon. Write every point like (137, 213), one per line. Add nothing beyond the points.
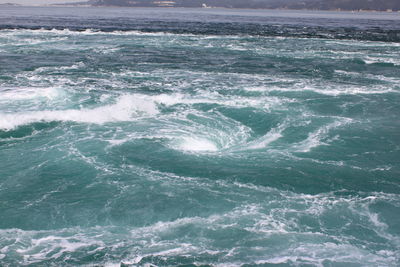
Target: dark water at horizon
(189, 137)
(373, 26)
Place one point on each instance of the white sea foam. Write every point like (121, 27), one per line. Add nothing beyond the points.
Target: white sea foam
(273, 135)
(364, 43)
(75, 66)
(375, 60)
(330, 89)
(336, 90)
(69, 32)
(316, 138)
(126, 108)
(278, 215)
(203, 133)
(393, 80)
(327, 251)
(28, 93)
(207, 97)
(188, 129)
(196, 144)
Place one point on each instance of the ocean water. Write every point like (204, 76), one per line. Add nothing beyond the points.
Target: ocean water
(189, 137)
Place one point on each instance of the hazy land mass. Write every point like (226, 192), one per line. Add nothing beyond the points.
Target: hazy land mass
(379, 5)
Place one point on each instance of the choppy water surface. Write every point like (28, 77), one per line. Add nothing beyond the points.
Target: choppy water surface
(215, 139)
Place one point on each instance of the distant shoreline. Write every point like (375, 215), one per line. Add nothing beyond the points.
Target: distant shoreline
(207, 8)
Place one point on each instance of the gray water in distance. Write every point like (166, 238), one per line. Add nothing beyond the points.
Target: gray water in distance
(189, 137)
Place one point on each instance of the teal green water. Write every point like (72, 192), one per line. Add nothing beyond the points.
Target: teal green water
(186, 149)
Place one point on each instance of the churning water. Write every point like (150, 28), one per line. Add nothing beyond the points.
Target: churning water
(189, 137)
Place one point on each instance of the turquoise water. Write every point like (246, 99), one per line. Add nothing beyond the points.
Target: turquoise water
(197, 142)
